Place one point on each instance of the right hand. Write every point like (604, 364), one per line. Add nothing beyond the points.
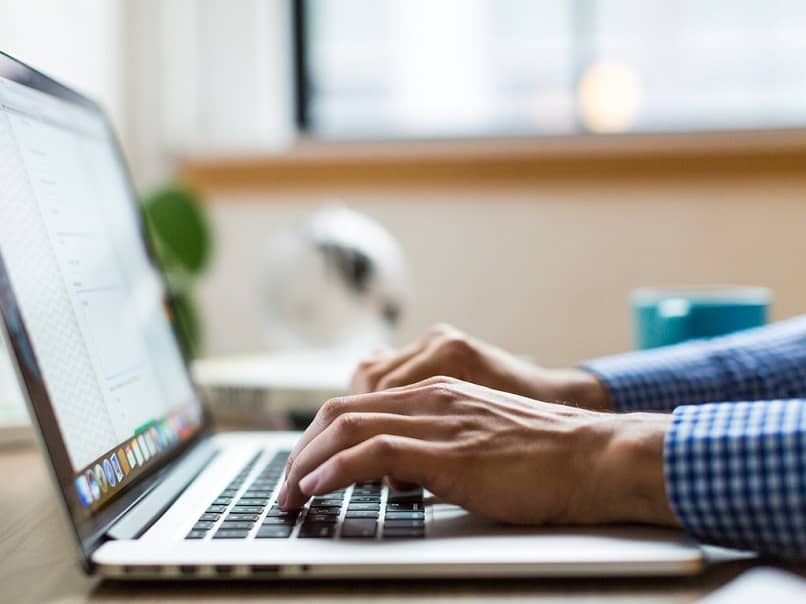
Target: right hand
(444, 350)
(503, 456)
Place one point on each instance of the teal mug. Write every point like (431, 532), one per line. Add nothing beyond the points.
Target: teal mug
(665, 316)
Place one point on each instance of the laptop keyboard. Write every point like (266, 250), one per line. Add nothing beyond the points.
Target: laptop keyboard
(363, 511)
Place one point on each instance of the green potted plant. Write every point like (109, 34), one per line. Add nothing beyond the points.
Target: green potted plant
(183, 243)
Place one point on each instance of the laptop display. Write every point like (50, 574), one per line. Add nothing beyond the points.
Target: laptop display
(82, 301)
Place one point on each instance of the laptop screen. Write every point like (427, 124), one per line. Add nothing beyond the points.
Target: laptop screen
(82, 300)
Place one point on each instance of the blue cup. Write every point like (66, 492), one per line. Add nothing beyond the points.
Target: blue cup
(662, 316)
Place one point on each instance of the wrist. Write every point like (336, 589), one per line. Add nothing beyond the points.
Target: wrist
(579, 387)
(629, 483)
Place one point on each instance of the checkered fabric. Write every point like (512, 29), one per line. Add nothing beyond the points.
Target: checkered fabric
(736, 474)
(758, 364)
(735, 455)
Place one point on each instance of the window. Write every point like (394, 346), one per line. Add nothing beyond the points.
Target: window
(458, 68)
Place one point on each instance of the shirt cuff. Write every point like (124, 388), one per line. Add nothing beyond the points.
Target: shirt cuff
(736, 474)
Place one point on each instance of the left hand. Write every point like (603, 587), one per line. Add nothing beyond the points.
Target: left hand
(500, 455)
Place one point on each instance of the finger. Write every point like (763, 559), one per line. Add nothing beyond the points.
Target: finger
(420, 367)
(368, 375)
(347, 431)
(417, 399)
(404, 459)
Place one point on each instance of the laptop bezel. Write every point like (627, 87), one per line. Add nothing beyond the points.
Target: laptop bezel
(89, 530)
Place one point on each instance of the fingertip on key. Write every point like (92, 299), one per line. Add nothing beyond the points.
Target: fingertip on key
(283, 494)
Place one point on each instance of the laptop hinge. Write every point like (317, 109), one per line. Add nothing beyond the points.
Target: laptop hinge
(171, 485)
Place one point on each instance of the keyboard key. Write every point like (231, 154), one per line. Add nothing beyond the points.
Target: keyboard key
(247, 509)
(203, 525)
(231, 534)
(258, 501)
(362, 514)
(322, 501)
(280, 513)
(365, 499)
(359, 529)
(196, 535)
(321, 518)
(210, 517)
(364, 507)
(216, 509)
(404, 507)
(405, 515)
(404, 523)
(326, 506)
(222, 501)
(318, 531)
(326, 511)
(237, 525)
(274, 531)
(242, 517)
(403, 533)
(280, 520)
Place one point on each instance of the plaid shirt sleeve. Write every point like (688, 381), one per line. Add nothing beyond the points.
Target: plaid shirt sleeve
(735, 470)
(758, 364)
(736, 474)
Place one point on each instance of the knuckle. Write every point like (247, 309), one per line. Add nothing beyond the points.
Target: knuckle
(457, 345)
(374, 375)
(366, 363)
(331, 410)
(442, 391)
(458, 425)
(347, 423)
(293, 473)
(387, 382)
(384, 445)
(438, 379)
(339, 464)
(440, 329)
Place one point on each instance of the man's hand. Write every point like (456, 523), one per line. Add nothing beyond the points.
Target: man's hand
(506, 457)
(444, 350)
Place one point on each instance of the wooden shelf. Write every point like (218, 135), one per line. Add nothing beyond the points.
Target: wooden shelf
(329, 165)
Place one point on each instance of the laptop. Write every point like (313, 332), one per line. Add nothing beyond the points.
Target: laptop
(147, 487)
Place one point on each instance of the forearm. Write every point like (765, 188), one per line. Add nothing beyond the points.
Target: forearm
(760, 364)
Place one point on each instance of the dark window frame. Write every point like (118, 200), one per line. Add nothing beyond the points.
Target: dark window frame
(299, 34)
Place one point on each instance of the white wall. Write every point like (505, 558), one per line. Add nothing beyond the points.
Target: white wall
(544, 270)
(207, 77)
(79, 43)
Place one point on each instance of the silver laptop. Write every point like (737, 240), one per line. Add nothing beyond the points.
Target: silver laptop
(146, 486)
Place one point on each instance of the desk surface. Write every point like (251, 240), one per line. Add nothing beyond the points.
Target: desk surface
(38, 565)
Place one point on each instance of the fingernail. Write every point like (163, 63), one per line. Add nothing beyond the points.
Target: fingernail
(283, 493)
(308, 484)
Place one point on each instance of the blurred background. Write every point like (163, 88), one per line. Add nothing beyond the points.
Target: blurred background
(536, 160)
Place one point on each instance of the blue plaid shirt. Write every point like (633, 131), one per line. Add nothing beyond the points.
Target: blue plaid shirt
(735, 455)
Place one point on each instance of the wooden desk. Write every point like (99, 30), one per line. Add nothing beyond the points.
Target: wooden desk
(38, 565)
